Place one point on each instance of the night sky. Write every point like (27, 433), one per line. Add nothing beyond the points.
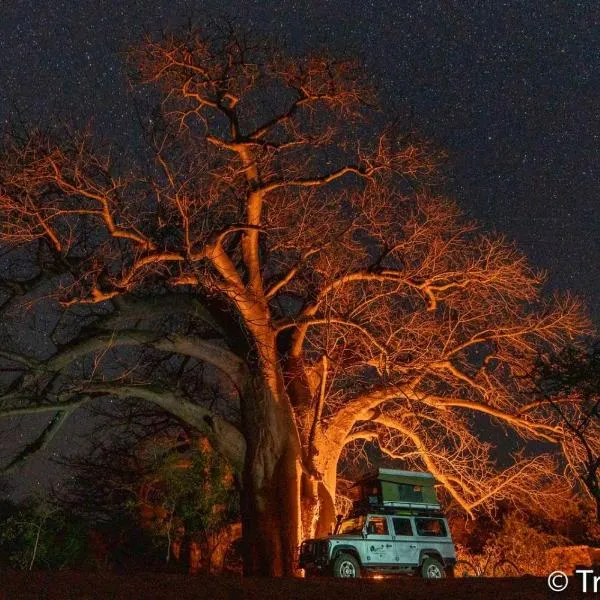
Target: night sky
(510, 90)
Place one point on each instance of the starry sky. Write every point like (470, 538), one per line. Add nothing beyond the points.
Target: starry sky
(510, 90)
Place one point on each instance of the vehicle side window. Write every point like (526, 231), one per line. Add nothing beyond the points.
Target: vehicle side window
(402, 526)
(431, 527)
(377, 526)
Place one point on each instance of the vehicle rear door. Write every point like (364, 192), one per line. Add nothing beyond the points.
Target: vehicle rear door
(432, 534)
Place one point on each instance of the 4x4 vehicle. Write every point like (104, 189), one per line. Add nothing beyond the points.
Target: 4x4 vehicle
(383, 543)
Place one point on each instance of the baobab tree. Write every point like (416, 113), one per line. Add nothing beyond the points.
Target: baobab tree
(282, 246)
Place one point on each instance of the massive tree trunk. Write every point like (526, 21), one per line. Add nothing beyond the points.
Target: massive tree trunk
(271, 513)
(283, 500)
(270, 479)
(281, 506)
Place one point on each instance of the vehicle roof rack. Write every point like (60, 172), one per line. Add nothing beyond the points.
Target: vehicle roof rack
(398, 476)
(414, 511)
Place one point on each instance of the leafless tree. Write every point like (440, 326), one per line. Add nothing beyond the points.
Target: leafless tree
(285, 247)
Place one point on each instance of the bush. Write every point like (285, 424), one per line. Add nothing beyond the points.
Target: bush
(38, 534)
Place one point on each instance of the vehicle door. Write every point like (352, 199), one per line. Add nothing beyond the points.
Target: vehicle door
(432, 534)
(405, 544)
(379, 546)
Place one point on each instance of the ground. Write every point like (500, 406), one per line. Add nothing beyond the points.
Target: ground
(155, 586)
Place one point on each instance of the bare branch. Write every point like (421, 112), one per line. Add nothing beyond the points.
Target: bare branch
(225, 437)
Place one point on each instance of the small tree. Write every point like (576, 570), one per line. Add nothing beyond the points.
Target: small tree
(568, 385)
(188, 499)
(517, 544)
(40, 534)
(173, 488)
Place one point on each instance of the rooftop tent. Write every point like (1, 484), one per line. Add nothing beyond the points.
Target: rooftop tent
(394, 488)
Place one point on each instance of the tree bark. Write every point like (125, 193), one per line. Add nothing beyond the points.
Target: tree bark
(282, 503)
(318, 508)
(270, 517)
(271, 484)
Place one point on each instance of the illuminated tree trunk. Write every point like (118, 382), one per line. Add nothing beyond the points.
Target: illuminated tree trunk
(271, 477)
(318, 508)
(282, 503)
(281, 506)
(270, 514)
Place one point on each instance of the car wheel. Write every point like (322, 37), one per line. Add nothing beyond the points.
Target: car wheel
(346, 566)
(432, 569)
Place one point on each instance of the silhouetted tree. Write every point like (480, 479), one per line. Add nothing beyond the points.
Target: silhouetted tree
(568, 385)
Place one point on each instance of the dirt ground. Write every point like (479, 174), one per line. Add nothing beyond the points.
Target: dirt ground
(154, 586)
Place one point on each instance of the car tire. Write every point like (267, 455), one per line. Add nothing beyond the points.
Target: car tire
(346, 566)
(432, 569)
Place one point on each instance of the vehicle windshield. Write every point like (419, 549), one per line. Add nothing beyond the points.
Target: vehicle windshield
(352, 525)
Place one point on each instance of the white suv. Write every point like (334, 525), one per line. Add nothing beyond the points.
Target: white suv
(384, 544)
